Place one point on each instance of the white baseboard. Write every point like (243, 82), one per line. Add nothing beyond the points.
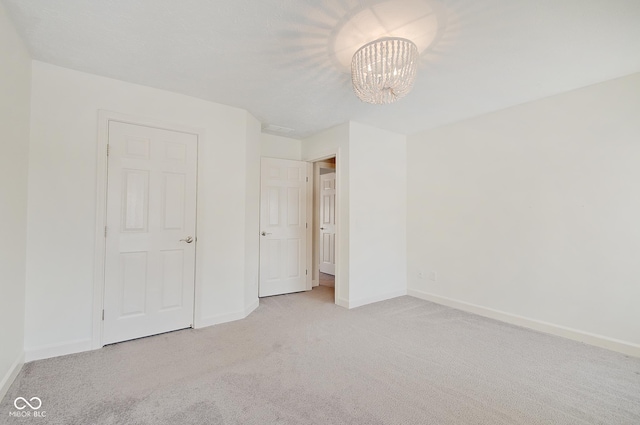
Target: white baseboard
(341, 302)
(10, 376)
(55, 350)
(375, 299)
(227, 317)
(251, 307)
(623, 347)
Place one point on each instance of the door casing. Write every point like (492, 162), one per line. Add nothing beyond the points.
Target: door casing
(320, 157)
(317, 166)
(104, 117)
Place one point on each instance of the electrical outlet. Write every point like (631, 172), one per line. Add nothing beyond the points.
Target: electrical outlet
(433, 276)
(420, 275)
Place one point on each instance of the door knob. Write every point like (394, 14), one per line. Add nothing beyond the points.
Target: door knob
(265, 233)
(188, 239)
(322, 228)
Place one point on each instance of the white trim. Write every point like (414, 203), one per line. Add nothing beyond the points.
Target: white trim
(251, 307)
(55, 350)
(101, 210)
(321, 156)
(624, 347)
(11, 374)
(337, 154)
(341, 302)
(228, 317)
(317, 166)
(338, 283)
(376, 298)
(309, 226)
(101, 219)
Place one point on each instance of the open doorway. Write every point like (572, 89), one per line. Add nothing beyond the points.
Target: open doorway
(324, 223)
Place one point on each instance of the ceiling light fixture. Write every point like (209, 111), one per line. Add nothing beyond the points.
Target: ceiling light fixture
(384, 70)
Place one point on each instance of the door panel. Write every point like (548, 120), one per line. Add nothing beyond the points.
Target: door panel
(174, 197)
(283, 215)
(151, 209)
(133, 276)
(172, 278)
(135, 200)
(328, 223)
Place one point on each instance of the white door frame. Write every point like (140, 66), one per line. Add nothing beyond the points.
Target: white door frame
(104, 117)
(338, 280)
(317, 165)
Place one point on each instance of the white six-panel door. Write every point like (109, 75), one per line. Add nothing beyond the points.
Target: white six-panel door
(328, 223)
(151, 223)
(283, 215)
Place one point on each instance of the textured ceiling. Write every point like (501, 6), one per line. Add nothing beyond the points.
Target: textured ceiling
(285, 60)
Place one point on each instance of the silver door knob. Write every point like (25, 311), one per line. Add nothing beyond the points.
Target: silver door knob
(188, 239)
(265, 233)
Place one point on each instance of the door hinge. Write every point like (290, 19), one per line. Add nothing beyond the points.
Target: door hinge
(105, 231)
(108, 148)
(102, 314)
(307, 179)
(306, 272)
(306, 225)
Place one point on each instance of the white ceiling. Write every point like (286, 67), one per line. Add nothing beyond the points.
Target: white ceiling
(285, 60)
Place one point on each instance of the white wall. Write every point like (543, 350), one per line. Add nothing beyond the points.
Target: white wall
(62, 200)
(371, 236)
(534, 211)
(15, 77)
(377, 214)
(273, 146)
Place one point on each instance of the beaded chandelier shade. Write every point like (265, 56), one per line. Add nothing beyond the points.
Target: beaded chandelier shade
(384, 70)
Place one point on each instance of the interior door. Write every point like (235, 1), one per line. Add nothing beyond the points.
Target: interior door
(328, 223)
(283, 222)
(151, 224)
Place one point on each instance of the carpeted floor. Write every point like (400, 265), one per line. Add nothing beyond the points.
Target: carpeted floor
(326, 279)
(299, 359)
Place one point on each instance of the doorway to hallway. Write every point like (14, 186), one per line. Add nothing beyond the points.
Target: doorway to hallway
(324, 222)
(328, 280)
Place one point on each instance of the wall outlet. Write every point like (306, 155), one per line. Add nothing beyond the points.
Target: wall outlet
(433, 276)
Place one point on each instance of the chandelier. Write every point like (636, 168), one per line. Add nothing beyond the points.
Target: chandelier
(384, 70)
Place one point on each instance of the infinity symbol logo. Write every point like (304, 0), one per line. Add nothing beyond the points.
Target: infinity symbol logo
(35, 406)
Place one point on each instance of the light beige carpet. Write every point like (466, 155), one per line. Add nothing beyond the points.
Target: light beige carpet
(326, 279)
(299, 359)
